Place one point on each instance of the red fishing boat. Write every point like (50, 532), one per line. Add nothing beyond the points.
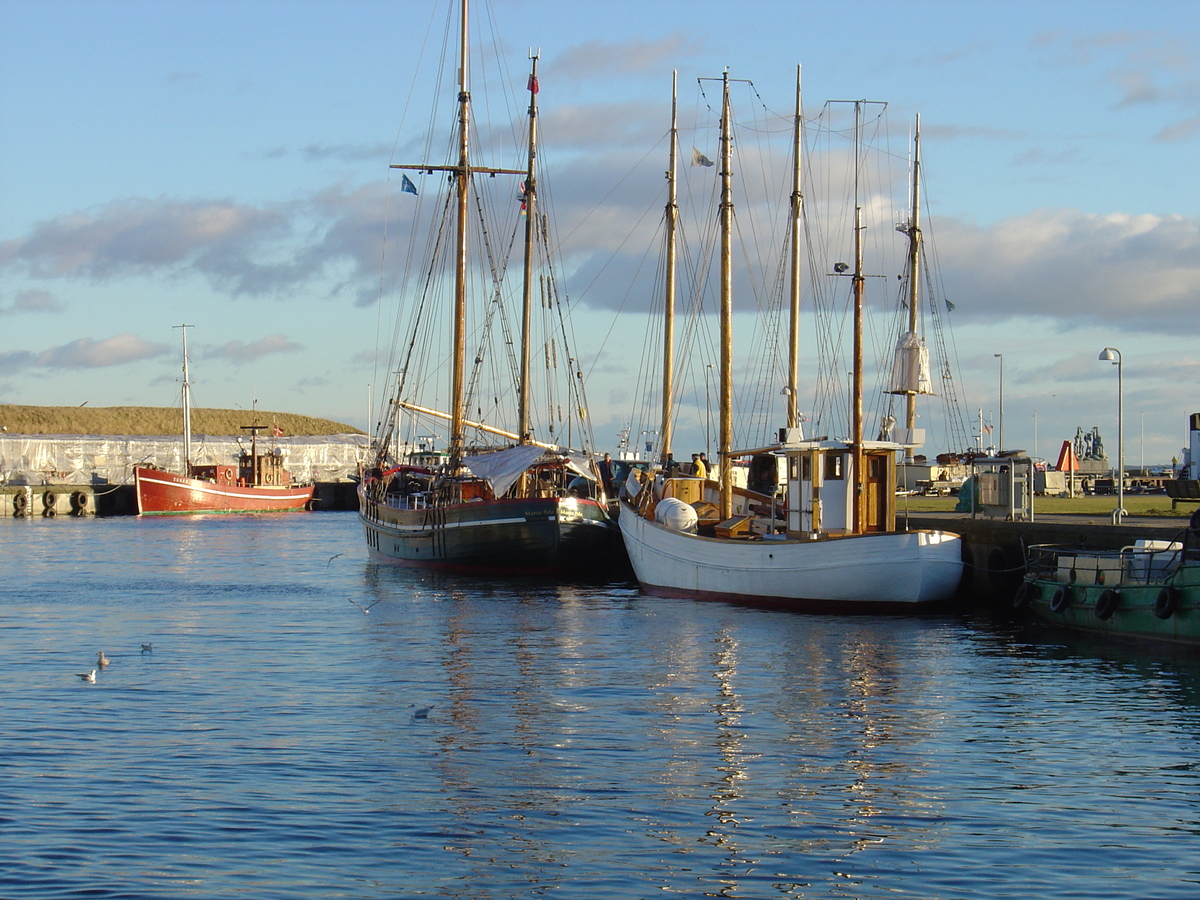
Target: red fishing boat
(257, 483)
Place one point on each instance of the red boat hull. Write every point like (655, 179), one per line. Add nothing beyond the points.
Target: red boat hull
(162, 493)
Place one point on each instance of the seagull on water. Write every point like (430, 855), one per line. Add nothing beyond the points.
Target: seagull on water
(423, 712)
(102, 660)
(147, 648)
(89, 677)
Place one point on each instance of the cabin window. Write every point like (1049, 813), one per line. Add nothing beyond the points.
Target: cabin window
(835, 466)
(875, 467)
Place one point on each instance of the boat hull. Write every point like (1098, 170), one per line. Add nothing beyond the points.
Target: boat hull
(545, 535)
(873, 573)
(162, 493)
(1158, 609)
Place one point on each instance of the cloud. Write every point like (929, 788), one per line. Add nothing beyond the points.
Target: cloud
(238, 352)
(133, 237)
(1138, 273)
(1180, 131)
(17, 361)
(86, 353)
(346, 152)
(603, 125)
(1149, 69)
(589, 60)
(33, 301)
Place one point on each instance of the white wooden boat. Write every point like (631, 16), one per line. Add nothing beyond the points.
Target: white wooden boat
(819, 534)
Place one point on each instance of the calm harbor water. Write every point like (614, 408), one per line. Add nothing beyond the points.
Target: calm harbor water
(480, 739)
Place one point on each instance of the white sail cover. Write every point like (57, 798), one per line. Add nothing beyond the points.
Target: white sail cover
(503, 467)
(910, 366)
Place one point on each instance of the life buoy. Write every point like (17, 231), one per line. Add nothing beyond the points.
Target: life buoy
(1106, 604)
(1166, 601)
(49, 502)
(1061, 599)
(1025, 593)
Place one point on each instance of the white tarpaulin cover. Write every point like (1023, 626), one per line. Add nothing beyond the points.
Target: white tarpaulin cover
(93, 458)
(501, 468)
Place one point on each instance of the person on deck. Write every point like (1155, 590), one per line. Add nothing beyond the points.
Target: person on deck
(606, 475)
(698, 468)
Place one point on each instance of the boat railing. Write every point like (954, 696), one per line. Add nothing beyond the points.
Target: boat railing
(421, 500)
(1146, 562)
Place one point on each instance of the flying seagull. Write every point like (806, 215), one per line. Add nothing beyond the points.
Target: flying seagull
(102, 660)
(89, 677)
(332, 558)
(365, 609)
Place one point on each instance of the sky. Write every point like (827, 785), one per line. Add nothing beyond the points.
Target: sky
(223, 164)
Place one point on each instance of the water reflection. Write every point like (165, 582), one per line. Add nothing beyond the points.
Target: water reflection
(581, 739)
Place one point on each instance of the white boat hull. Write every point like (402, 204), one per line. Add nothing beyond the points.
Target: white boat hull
(872, 573)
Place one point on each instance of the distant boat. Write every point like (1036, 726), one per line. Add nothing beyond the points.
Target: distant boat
(817, 533)
(257, 483)
(1148, 590)
(516, 499)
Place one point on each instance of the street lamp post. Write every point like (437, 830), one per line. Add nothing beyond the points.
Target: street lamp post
(1000, 436)
(1113, 355)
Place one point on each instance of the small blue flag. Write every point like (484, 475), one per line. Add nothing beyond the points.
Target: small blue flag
(407, 185)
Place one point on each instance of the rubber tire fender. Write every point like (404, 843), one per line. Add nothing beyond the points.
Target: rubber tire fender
(1061, 599)
(1166, 601)
(1106, 604)
(1027, 592)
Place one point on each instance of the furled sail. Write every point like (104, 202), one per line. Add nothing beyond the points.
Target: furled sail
(910, 366)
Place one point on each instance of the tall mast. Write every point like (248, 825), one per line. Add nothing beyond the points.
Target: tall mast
(523, 428)
(856, 429)
(460, 173)
(914, 271)
(187, 407)
(793, 374)
(462, 182)
(672, 222)
(726, 392)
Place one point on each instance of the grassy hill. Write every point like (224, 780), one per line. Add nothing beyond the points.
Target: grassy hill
(155, 420)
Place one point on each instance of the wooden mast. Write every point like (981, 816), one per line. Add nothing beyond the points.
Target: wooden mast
(523, 428)
(856, 428)
(793, 374)
(726, 378)
(914, 274)
(672, 223)
(461, 174)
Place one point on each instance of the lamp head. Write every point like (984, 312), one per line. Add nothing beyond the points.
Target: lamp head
(1110, 354)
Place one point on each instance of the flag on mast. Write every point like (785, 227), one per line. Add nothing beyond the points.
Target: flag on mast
(406, 185)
